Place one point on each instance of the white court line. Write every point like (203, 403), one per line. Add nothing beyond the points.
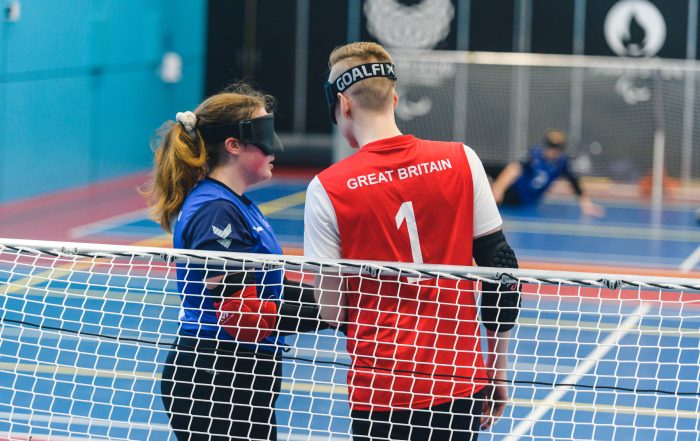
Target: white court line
(29, 436)
(604, 231)
(33, 419)
(115, 221)
(294, 437)
(268, 207)
(96, 422)
(523, 428)
(692, 260)
(105, 224)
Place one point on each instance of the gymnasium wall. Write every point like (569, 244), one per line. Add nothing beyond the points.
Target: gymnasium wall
(80, 87)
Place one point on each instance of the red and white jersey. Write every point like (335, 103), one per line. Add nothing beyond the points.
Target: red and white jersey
(407, 200)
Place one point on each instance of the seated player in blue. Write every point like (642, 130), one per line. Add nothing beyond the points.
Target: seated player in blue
(524, 183)
(223, 375)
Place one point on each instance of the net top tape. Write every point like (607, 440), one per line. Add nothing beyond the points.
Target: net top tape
(342, 267)
(543, 60)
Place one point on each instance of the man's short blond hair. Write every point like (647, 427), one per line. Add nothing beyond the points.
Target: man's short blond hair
(374, 94)
(555, 138)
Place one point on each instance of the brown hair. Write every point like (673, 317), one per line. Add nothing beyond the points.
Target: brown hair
(555, 138)
(373, 93)
(183, 159)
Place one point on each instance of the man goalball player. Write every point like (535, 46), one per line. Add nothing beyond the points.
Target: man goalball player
(417, 369)
(524, 183)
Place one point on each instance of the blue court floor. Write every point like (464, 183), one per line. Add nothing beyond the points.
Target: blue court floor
(551, 235)
(84, 387)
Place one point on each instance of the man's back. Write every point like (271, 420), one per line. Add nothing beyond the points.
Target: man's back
(403, 199)
(408, 200)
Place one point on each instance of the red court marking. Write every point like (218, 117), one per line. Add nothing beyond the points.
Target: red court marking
(569, 267)
(27, 437)
(608, 269)
(626, 294)
(52, 216)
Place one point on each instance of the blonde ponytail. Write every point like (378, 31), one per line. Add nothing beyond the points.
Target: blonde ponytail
(182, 158)
(180, 162)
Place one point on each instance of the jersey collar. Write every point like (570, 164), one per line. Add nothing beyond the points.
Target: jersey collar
(394, 141)
(243, 199)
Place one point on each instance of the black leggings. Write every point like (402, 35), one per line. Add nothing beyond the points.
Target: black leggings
(220, 395)
(457, 420)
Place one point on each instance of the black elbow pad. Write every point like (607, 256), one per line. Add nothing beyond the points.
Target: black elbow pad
(299, 312)
(500, 302)
(298, 317)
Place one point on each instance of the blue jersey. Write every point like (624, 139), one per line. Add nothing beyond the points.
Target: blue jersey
(213, 217)
(538, 173)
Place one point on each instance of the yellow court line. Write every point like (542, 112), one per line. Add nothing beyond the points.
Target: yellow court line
(22, 284)
(606, 408)
(292, 386)
(294, 214)
(161, 241)
(147, 297)
(282, 203)
(586, 325)
(267, 208)
(25, 368)
(56, 273)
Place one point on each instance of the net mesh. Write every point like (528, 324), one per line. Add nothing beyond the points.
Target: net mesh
(499, 104)
(86, 331)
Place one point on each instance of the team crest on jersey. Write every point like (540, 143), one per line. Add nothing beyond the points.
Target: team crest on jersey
(223, 234)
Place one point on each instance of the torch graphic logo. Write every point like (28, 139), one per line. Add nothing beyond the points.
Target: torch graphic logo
(635, 28)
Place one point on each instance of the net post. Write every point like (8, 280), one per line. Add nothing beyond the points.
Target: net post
(658, 167)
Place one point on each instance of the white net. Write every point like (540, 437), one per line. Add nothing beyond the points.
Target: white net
(501, 103)
(86, 336)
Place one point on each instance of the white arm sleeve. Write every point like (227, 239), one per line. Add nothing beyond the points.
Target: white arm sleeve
(321, 237)
(486, 215)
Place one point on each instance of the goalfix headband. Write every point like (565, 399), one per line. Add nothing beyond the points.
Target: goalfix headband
(257, 131)
(352, 76)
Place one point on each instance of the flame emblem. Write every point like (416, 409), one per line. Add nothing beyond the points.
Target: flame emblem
(635, 28)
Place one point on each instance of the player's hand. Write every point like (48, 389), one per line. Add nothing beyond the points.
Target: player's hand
(495, 400)
(588, 208)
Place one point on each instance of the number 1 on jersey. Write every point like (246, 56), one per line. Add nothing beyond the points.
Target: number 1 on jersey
(406, 213)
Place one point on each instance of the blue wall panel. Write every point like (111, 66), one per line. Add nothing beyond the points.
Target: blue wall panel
(128, 31)
(46, 142)
(183, 19)
(123, 151)
(50, 35)
(80, 90)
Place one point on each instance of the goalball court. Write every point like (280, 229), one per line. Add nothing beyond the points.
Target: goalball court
(83, 338)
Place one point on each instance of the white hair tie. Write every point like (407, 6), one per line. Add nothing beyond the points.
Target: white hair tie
(188, 120)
